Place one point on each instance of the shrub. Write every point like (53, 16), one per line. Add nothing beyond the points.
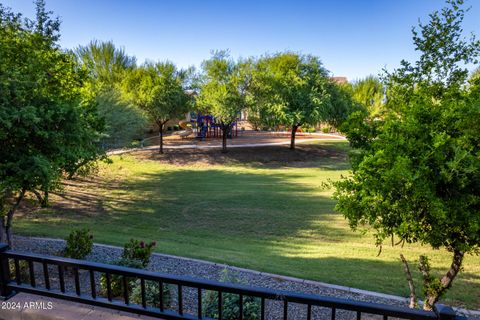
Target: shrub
(151, 294)
(326, 129)
(79, 244)
(116, 281)
(138, 250)
(231, 310)
(23, 268)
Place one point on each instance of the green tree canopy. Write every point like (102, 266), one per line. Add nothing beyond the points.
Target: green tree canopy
(159, 90)
(107, 66)
(48, 124)
(106, 63)
(416, 171)
(293, 89)
(369, 92)
(224, 90)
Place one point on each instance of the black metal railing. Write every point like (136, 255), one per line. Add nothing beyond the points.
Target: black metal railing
(48, 276)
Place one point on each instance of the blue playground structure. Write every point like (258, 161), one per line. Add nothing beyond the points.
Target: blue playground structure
(207, 127)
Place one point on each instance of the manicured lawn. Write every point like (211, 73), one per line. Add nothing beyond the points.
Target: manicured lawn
(269, 216)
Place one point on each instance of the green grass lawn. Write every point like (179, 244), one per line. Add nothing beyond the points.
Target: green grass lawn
(273, 218)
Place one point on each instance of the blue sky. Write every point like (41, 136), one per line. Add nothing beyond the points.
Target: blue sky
(353, 38)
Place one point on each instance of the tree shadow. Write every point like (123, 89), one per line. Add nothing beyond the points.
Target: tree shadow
(230, 217)
(332, 156)
(376, 275)
(230, 203)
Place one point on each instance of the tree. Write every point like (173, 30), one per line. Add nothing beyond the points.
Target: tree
(369, 92)
(159, 90)
(124, 122)
(107, 66)
(48, 124)
(292, 88)
(416, 171)
(340, 105)
(105, 63)
(224, 90)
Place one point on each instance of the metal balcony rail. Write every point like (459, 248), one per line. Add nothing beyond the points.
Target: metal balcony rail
(42, 271)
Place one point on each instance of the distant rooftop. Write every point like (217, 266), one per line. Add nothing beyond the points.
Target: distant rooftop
(340, 80)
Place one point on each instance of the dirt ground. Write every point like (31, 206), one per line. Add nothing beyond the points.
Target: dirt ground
(247, 137)
(271, 156)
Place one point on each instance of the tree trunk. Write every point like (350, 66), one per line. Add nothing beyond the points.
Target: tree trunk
(292, 139)
(3, 202)
(411, 286)
(225, 129)
(43, 201)
(46, 202)
(446, 280)
(160, 135)
(3, 235)
(7, 225)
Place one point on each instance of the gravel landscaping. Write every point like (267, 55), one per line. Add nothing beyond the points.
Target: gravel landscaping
(207, 270)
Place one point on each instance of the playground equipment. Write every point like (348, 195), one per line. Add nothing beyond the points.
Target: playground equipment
(187, 129)
(208, 128)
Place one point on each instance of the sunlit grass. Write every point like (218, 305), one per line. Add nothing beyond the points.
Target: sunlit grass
(277, 219)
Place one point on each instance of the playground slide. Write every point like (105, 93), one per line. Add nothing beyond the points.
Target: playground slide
(185, 133)
(186, 130)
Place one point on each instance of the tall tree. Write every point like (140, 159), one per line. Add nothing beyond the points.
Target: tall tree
(293, 88)
(159, 90)
(369, 92)
(416, 172)
(106, 63)
(340, 105)
(107, 66)
(48, 124)
(224, 90)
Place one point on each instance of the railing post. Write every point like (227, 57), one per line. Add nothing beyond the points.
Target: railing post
(445, 312)
(5, 292)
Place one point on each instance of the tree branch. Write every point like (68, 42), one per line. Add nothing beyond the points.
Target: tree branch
(411, 286)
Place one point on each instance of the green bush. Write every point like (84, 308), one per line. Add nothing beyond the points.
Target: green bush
(230, 309)
(23, 268)
(116, 281)
(79, 244)
(326, 129)
(151, 294)
(138, 250)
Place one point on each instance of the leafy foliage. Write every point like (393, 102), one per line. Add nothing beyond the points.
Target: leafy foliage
(79, 244)
(230, 306)
(224, 89)
(340, 105)
(124, 122)
(138, 250)
(444, 54)
(294, 90)
(369, 92)
(106, 64)
(152, 297)
(48, 122)
(116, 281)
(107, 67)
(159, 90)
(416, 171)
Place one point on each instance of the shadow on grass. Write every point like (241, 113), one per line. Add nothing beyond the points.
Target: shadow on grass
(201, 202)
(238, 218)
(374, 274)
(217, 202)
(327, 155)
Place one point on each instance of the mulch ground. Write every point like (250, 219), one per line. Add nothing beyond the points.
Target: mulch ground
(271, 156)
